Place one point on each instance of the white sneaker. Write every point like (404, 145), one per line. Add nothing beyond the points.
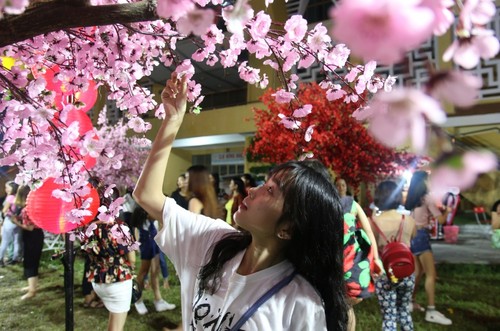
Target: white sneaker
(141, 307)
(434, 316)
(162, 305)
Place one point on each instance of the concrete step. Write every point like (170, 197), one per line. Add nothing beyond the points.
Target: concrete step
(475, 229)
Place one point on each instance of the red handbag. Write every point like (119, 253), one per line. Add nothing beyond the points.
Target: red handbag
(396, 256)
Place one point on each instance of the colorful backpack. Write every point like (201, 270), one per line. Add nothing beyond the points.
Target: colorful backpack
(396, 256)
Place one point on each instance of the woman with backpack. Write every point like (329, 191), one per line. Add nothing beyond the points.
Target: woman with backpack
(394, 295)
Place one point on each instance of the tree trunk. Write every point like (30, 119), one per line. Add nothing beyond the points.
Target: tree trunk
(44, 17)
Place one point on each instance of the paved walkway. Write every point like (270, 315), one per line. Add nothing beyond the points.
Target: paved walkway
(473, 246)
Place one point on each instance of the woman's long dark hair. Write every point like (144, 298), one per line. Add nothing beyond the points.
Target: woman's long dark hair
(240, 186)
(312, 205)
(139, 216)
(417, 190)
(201, 188)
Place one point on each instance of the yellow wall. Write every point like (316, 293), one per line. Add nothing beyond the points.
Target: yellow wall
(237, 119)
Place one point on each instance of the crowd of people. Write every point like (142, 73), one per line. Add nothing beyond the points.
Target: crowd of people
(299, 246)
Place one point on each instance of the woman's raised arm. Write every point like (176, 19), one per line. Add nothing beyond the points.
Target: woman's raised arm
(148, 191)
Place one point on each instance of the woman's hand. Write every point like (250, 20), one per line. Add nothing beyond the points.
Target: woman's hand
(174, 97)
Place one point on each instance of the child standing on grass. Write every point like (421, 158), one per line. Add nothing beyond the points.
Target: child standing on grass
(394, 296)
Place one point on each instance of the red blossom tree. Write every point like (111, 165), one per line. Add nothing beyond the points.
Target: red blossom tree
(341, 142)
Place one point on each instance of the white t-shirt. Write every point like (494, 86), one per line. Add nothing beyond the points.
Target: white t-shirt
(186, 238)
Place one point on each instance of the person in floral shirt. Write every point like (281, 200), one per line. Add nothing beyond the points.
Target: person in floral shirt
(110, 248)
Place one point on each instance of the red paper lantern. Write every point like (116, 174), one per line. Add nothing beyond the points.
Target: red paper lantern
(88, 97)
(48, 212)
(65, 97)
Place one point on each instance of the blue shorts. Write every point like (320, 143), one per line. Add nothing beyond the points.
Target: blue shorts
(421, 243)
(149, 249)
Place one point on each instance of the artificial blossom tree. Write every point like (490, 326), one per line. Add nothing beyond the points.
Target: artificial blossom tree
(341, 142)
(115, 43)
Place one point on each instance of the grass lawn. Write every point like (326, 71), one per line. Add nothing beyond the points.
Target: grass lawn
(468, 294)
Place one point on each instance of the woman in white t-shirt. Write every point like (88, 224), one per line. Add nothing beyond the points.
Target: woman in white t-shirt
(292, 223)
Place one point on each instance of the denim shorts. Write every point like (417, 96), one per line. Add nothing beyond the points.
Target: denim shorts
(421, 242)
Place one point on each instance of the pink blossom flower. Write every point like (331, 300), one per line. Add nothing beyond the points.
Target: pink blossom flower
(137, 124)
(443, 16)
(318, 38)
(160, 112)
(185, 68)
(19, 76)
(296, 28)
(259, 48)
(212, 60)
(282, 96)
(381, 30)
(460, 171)
(337, 57)
(90, 229)
(213, 36)
(92, 146)
(288, 122)
(365, 78)
(291, 82)
(363, 113)
(466, 51)
(306, 60)
(109, 190)
(199, 55)
(458, 87)
(333, 94)
(308, 155)
(14, 7)
(260, 25)
(402, 114)
(35, 87)
(197, 21)
(194, 90)
(248, 74)
(351, 97)
(272, 64)
(389, 83)
(228, 58)
(290, 60)
(309, 132)
(264, 82)
(174, 8)
(333, 91)
(302, 111)
(479, 12)
(237, 16)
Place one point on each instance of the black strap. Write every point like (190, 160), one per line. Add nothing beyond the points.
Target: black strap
(284, 282)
